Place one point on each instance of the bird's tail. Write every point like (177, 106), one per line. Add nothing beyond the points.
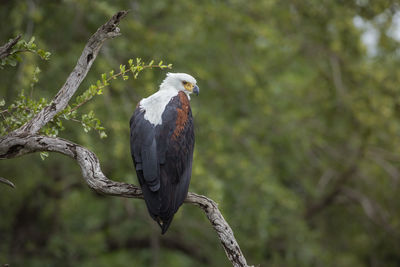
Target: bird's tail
(164, 223)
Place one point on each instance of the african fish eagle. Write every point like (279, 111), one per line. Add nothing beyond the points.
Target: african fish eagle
(162, 143)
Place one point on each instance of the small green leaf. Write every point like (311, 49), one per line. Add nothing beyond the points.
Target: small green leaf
(44, 155)
(47, 55)
(43, 54)
(103, 134)
(104, 77)
(2, 102)
(12, 63)
(31, 40)
(122, 68)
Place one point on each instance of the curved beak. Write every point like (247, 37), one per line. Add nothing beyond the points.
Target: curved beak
(196, 90)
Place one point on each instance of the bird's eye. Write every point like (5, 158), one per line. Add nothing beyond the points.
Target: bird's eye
(184, 82)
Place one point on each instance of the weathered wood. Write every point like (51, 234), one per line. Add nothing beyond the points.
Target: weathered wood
(224, 231)
(26, 140)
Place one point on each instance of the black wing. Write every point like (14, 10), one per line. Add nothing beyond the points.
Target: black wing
(144, 150)
(174, 140)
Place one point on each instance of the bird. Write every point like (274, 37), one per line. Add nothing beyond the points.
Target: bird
(162, 143)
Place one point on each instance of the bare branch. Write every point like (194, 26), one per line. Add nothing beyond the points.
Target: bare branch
(7, 182)
(371, 209)
(224, 231)
(89, 54)
(340, 181)
(329, 198)
(5, 50)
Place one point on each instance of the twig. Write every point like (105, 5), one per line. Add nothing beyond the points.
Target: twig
(81, 122)
(5, 50)
(7, 182)
(112, 77)
(371, 209)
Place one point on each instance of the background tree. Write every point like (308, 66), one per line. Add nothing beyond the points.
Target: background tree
(296, 130)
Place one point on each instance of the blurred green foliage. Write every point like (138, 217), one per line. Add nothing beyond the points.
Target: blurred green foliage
(297, 133)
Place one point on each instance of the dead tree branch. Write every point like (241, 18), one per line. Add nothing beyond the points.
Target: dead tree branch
(26, 140)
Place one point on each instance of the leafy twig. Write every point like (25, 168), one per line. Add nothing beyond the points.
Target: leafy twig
(100, 85)
(5, 50)
(9, 53)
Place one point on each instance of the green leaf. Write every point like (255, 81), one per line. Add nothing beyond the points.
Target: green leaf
(12, 63)
(44, 155)
(103, 135)
(31, 40)
(104, 77)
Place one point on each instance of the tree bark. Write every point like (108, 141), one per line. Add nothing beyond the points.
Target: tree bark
(26, 140)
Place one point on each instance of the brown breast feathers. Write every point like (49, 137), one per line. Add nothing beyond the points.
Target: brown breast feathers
(182, 114)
